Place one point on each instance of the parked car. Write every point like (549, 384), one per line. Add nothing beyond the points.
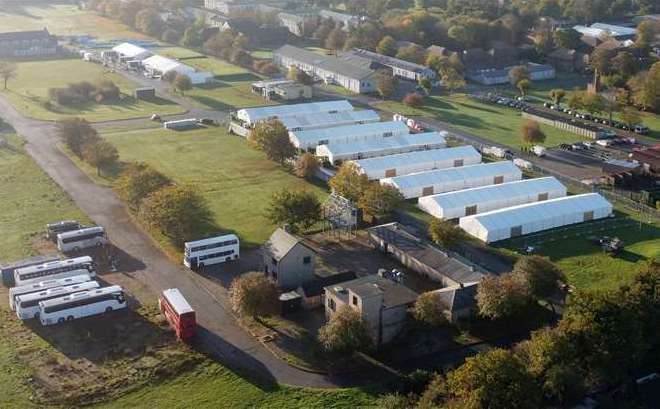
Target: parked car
(155, 117)
(641, 129)
(547, 105)
(207, 121)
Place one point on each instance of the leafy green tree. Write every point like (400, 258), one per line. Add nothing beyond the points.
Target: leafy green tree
(445, 233)
(557, 95)
(182, 83)
(593, 103)
(253, 295)
(429, 309)
(345, 333)
(386, 83)
(76, 133)
(179, 212)
(138, 181)
(531, 133)
(294, 208)
(494, 379)
(413, 99)
(426, 84)
(524, 86)
(645, 88)
(387, 46)
(100, 154)
(541, 276)
(641, 298)
(502, 296)
(149, 22)
(8, 71)
(272, 138)
(518, 73)
(647, 30)
(624, 64)
(452, 80)
(575, 99)
(298, 75)
(630, 116)
(171, 36)
(567, 38)
(336, 39)
(192, 38)
(413, 53)
(349, 182)
(378, 201)
(601, 58)
(307, 165)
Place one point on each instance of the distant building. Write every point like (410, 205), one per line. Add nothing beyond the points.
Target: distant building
(330, 69)
(257, 34)
(458, 301)
(601, 32)
(313, 293)
(537, 72)
(400, 68)
(381, 302)
(564, 59)
(649, 159)
(282, 90)
(439, 51)
(298, 24)
(287, 260)
(503, 54)
(22, 44)
(346, 20)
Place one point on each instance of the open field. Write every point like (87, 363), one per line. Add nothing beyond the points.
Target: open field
(29, 91)
(62, 19)
(492, 122)
(237, 180)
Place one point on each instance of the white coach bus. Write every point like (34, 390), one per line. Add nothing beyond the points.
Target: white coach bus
(82, 239)
(54, 269)
(82, 304)
(214, 250)
(45, 285)
(27, 306)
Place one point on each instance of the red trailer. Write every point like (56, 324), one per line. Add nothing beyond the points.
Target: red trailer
(179, 313)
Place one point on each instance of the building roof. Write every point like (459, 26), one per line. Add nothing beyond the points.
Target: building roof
(326, 62)
(504, 72)
(315, 288)
(281, 243)
(279, 111)
(323, 119)
(329, 134)
(435, 139)
(371, 165)
(358, 53)
(394, 294)
(484, 194)
(164, 64)
(426, 254)
(562, 54)
(533, 212)
(130, 50)
(26, 35)
(345, 18)
(437, 50)
(439, 176)
(614, 30)
(458, 297)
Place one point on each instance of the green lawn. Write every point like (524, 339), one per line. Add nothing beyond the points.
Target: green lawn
(29, 91)
(177, 52)
(237, 180)
(488, 121)
(216, 387)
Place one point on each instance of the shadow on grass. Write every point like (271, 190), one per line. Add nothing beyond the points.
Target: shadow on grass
(212, 103)
(213, 85)
(242, 77)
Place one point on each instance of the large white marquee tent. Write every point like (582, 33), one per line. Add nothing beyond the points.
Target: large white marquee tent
(130, 51)
(380, 147)
(343, 134)
(448, 180)
(483, 199)
(253, 115)
(157, 64)
(418, 161)
(534, 217)
(327, 120)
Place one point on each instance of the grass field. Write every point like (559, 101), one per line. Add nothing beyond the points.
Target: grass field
(492, 122)
(237, 180)
(62, 19)
(29, 91)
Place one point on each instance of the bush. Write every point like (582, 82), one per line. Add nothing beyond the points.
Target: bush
(253, 295)
(84, 92)
(414, 100)
(429, 310)
(306, 166)
(345, 333)
(138, 181)
(76, 133)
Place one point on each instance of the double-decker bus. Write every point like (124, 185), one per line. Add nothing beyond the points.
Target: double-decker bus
(27, 305)
(34, 274)
(82, 304)
(82, 239)
(214, 250)
(45, 285)
(53, 229)
(178, 312)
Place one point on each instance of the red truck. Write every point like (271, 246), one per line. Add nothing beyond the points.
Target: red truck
(179, 313)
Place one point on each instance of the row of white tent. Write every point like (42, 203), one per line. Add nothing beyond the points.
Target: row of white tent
(157, 64)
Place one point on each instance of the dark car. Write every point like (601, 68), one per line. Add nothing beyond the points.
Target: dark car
(207, 121)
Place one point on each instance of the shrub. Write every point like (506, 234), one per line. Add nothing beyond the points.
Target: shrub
(414, 100)
(253, 295)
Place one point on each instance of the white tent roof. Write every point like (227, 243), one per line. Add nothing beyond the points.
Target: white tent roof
(440, 176)
(372, 165)
(532, 212)
(252, 115)
(130, 50)
(164, 64)
(393, 142)
(324, 119)
(354, 131)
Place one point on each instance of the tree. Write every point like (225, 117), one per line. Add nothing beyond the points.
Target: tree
(624, 64)
(76, 133)
(426, 84)
(100, 154)
(502, 296)
(253, 295)
(445, 233)
(531, 133)
(294, 209)
(241, 57)
(493, 379)
(524, 86)
(170, 76)
(179, 212)
(556, 95)
(378, 201)
(645, 88)
(171, 36)
(386, 83)
(593, 103)
(567, 38)
(138, 181)
(600, 59)
(630, 116)
(646, 33)
(387, 46)
(344, 333)
(182, 83)
(192, 38)
(149, 22)
(8, 71)
(413, 100)
(413, 53)
(298, 75)
(307, 165)
(272, 138)
(575, 99)
(452, 80)
(348, 182)
(429, 309)
(544, 41)
(539, 275)
(336, 39)
(517, 74)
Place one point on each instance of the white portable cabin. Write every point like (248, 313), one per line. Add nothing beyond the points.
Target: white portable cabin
(189, 123)
(448, 180)
(251, 116)
(483, 199)
(378, 147)
(534, 217)
(344, 134)
(418, 161)
(322, 120)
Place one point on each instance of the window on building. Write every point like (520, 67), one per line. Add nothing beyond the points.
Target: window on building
(355, 300)
(470, 210)
(390, 173)
(331, 303)
(307, 260)
(387, 134)
(516, 231)
(588, 216)
(543, 196)
(427, 191)
(458, 162)
(498, 180)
